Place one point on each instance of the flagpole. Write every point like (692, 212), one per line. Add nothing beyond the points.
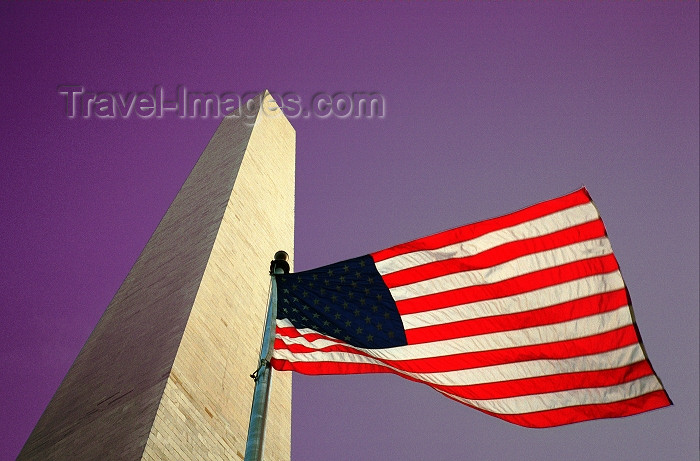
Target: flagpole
(261, 376)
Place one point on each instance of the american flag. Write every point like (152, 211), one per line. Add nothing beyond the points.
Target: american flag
(525, 317)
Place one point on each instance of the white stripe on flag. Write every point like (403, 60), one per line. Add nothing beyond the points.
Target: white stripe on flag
(572, 329)
(536, 299)
(498, 373)
(535, 228)
(520, 266)
(562, 399)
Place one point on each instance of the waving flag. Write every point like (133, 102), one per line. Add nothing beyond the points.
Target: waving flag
(524, 317)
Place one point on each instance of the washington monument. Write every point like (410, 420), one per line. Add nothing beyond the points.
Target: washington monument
(165, 373)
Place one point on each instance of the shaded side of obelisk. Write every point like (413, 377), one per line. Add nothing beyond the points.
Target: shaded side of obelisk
(165, 373)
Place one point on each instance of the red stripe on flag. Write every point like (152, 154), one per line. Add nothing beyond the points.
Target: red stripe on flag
(474, 230)
(291, 332)
(577, 414)
(551, 383)
(545, 316)
(595, 344)
(516, 285)
(327, 368)
(497, 255)
(497, 390)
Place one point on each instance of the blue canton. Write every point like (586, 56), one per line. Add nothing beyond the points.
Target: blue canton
(346, 300)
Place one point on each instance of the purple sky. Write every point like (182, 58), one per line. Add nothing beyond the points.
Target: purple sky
(490, 108)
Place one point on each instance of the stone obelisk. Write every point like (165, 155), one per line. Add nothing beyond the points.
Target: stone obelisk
(165, 373)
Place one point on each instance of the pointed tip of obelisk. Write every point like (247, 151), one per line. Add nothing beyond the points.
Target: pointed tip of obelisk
(269, 106)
